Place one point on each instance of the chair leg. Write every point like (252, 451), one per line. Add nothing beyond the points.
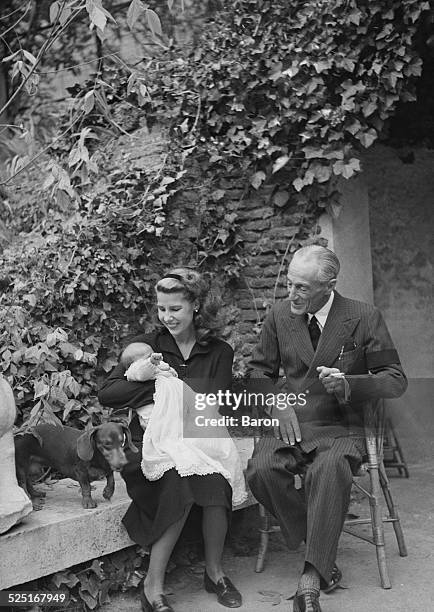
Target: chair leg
(265, 535)
(397, 445)
(393, 511)
(377, 526)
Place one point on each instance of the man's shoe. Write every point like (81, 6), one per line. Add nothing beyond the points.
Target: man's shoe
(158, 605)
(335, 580)
(227, 594)
(307, 602)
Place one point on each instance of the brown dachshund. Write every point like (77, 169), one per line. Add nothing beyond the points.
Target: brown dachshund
(82, 456)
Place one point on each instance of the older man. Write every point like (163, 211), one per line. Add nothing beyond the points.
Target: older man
(337, 355)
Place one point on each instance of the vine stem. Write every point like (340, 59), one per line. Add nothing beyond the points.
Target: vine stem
(45, 47)
(17, 22)
(282, 261)
(47, 148)
(258, 317)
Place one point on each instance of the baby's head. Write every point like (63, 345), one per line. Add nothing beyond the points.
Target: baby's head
(134, 351)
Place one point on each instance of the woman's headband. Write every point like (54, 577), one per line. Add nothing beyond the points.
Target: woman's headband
(175, 276)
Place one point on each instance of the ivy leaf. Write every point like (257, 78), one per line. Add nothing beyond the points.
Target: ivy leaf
(257, 179)
(90, 601)
(89, 102)
(54, 13)
(98, 15)
(280, 162)
(68, 578)
(354, 17)
(54, 10)
(30, 298)
(135, 10)
(346, 169)
(29, 57)
(322, 173)
(154, 22)
(312, 152)
(218, 194)
(223, 235)
(368, 108)
(322, 66)
(298, 184)
(280, 198)
(41, 389)
(367, 138)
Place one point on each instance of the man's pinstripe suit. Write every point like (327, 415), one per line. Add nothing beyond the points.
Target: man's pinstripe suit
(356, 341)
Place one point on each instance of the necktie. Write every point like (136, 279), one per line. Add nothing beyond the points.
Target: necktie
(314, 332)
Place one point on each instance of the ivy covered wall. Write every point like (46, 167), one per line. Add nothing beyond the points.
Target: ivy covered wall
(262, 119)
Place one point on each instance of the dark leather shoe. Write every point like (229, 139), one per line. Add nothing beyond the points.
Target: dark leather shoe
(307, 602)
(227, 594)
(158, 605)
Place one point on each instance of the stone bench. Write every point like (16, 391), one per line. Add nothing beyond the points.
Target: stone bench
(63, 534)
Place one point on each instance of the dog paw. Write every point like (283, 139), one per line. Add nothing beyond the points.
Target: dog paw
(37, 493)
(108, 493)
(89, 503)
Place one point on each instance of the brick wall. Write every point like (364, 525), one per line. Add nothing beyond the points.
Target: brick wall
(268, 235)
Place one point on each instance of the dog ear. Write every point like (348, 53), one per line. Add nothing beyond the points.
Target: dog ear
(85, 445)
(130, 444)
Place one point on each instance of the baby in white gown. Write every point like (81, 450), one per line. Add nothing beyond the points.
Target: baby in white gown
(164, 446)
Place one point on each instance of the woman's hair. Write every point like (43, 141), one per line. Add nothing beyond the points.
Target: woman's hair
(194, 288)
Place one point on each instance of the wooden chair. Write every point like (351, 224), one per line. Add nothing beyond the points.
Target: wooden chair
(374, 423)
(393, 455)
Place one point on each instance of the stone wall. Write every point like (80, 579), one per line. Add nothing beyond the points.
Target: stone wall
(401, 197)
(401, 202)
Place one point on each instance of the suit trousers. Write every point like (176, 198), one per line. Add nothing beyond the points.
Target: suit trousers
(315, 513)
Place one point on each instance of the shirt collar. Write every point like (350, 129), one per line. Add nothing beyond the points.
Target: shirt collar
(168, 344)
(322, 314)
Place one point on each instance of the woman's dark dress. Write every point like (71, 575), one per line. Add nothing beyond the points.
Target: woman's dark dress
(158, 504)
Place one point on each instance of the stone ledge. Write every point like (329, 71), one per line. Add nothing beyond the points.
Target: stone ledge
(64, 534)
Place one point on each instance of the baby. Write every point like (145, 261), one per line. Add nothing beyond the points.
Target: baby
(164, 446)
(134, 357)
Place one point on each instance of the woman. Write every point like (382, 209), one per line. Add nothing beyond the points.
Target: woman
(160, 508)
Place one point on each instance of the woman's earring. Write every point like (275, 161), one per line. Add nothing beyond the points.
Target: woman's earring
(196, 310)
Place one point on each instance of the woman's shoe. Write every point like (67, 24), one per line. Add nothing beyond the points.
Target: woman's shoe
(227, 594)
(158, 605)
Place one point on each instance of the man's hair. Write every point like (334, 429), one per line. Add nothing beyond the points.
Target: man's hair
(327, 261)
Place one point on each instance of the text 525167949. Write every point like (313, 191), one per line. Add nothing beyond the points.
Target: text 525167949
(46, 598)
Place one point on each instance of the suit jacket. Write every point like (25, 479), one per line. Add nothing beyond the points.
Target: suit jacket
(355, 339)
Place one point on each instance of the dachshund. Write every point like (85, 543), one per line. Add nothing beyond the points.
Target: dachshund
(82, 456)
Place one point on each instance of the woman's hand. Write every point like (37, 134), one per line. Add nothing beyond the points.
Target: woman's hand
(141, 370)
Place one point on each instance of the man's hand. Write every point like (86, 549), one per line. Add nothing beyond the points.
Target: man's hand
(333, 380)
(289, 428)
